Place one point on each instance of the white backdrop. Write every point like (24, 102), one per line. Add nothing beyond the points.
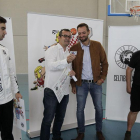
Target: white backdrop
(122, 42)
(41, 32)
(8, 43)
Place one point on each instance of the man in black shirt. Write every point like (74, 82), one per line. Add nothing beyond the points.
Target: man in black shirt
(134, 91)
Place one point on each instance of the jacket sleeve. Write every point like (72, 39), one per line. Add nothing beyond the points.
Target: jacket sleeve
(103, 63)
(14, 84)
(52, 62)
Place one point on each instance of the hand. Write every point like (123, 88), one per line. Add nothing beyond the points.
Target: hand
(70, 58)
(128, 89)
(18, 95)
(100, 81)
(72, 73)
(74, 90)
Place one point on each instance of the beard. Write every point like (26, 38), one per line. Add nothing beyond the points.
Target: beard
(83, 40)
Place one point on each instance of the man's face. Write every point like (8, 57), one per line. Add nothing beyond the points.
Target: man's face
(2, 31)
(83, 34)
(64, 40)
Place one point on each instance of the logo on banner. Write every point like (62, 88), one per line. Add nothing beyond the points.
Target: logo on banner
(123, 55)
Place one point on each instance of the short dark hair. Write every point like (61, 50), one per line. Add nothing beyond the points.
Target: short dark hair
(2, 20)
(60, 33)
(82, 25)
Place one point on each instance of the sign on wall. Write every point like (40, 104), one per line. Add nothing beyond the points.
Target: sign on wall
(123, 41)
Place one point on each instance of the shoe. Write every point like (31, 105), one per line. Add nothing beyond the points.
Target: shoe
(79, 137)
(99, 135)
(127, 135)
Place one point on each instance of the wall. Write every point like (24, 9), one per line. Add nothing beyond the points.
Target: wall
(119, 21)
(18, 10)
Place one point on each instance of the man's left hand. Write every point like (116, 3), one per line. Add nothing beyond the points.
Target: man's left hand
(100, 81)
(18, 95)
(72, 73)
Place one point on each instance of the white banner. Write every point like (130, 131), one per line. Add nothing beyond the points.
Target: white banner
(8, 43)
(19, 114)
(123, 41)
(43, 31)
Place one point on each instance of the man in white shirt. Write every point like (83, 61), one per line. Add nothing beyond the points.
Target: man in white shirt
(57, 58)
(8, 88)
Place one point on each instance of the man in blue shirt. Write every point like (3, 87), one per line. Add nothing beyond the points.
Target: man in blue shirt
(91, 68)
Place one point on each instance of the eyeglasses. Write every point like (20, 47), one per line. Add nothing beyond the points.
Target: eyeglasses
(65, 36)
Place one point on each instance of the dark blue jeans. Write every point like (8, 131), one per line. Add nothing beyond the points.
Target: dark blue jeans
(96, 94)
(52, 108)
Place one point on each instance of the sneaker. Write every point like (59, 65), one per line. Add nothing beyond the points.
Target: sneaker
(100, 136)
(127, 135)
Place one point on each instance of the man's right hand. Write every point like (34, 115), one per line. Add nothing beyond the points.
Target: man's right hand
(70, 58)
(128, 89)
(74, 90)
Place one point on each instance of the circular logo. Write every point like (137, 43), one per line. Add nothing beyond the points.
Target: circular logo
(123, 55)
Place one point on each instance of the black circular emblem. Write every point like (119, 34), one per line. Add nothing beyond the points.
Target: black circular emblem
(123, 55)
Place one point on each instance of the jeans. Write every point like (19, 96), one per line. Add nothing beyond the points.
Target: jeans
(96, 94)
(52, 108)
(6, 121)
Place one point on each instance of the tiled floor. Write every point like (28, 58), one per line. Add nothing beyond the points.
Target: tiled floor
(113, 130)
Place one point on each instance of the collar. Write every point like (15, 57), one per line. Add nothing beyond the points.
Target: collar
(82, 45)
(60, 47)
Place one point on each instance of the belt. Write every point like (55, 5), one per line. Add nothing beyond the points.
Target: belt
(88, 81)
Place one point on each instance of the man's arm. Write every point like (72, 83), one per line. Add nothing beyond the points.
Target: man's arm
(52, 62)
(14, 84)
(104, 66)
(128, 79)
(104, 63)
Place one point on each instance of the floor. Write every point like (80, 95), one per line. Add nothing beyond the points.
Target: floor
(112, 130)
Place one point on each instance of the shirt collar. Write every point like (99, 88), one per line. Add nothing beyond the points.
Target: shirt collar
(60, 47)
(82, 45)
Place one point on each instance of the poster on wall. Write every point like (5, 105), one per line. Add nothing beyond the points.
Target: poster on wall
(123, 41)
(43, 31)
(8, 43)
